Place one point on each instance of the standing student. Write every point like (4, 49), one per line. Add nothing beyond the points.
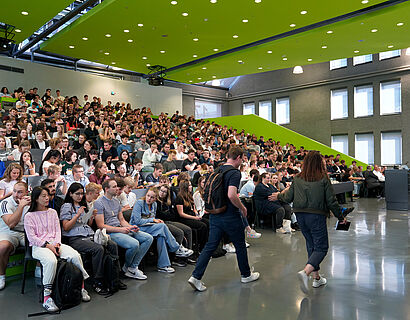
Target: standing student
(229, 222)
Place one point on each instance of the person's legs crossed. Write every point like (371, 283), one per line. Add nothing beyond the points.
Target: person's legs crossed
(129, 243)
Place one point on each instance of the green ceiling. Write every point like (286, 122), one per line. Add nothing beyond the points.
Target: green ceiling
(39, 13)
(164, 28)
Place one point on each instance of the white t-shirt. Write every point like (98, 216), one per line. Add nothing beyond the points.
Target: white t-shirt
(131, 198)
(7, 186)
(9, 206)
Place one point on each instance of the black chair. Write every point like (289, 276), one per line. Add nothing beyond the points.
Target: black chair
(34, 181)
(259, 218)
(29, 257)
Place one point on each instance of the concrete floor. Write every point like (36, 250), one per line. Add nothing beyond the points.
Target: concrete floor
(366, 268)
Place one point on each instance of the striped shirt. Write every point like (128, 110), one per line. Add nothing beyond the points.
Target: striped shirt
(9, 206)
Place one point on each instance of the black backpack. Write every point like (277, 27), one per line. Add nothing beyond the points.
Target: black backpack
(215, 196)
(67, 285)
(111, 272)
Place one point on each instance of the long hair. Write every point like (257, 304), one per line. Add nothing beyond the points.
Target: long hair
(313, 168)
(128, 161)
(52, 153)
(185, 194)
(22, 164)
(74, 187)
(167, 199)
(199, 188)
(9, 169)
(88, 158)
(263, 176)
(98, 166)
(35, 194)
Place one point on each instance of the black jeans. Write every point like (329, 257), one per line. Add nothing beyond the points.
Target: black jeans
(201, 228)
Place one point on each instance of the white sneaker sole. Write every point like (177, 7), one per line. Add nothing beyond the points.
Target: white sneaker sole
(194, 287)
(303, 287)
(133, 276)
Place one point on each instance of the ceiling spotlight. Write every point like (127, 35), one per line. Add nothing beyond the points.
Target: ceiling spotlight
(292, 25)
(174, 2)
(258, 1)
(71, 47)
(303, 12)
(213, 1)
(245, 20)
(24, 13)
(390, 46)
(148, 65)
(162, 51)
(356, 51)
(214, 77)
(195, 39)
(269, 51)
(203, 68)
(374, 30)
(190, 80)
(126, 30)
(297, 70)
(365, 1)
(112, 62)
(106, 53)
(17, 30)
(195, 56)
(185, 14)
(130, 40)
(140, 25)
(235, 36)
(284, 59)
(85, 38)
(144, 58)
(310, 59)
(216, 49)
(108, 35)
(260, 68)
(324, 47)
(400, 24)
(329, 32)
(199, 78)
(240, 61)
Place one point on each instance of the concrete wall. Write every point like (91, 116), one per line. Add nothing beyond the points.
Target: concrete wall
(71, 83)
(309, 95)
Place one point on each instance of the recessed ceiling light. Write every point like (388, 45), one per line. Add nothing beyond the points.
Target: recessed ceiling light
(85, 38)
(190, 80)
(235, 36)
(245, 20)
(162, 51)
(400, 24)
(195, 39)
(240, 61)
(214, 77)
(292, 25)
(356, 51)
(365, 1)
(148, 65)
(329, 32)
(24, 13)
(199, 78)
(17, 30)
(140, 25)
(310, 59)
(174, 2)
(303, 12)
(216, 49)
(258, 1)
(260, 68)
(214, 1)
(284, 59)
(185, 14)
(113, 62)
(195, 56)
(374, 30)
(324, 47)
(130, 40)
(144, 58)
(106, 53)
(108, 35)
(390, 46)
(203, 68)
(269, 51)
(71, 47)
(126, 30)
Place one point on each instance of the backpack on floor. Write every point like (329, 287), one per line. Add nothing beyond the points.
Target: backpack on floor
(111, 272)
(215, 196)
(67, 285)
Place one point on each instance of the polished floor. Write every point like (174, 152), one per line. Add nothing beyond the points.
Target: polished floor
(367, 270)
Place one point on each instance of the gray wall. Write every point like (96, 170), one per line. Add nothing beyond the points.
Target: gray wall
(309, 95)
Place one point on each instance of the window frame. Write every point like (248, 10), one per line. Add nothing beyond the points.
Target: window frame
(347, 103)
(288, 110)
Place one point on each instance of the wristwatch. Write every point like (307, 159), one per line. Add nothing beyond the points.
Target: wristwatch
(45, 244)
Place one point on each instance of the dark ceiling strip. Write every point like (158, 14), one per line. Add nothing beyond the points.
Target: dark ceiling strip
(316, 25)
(55, 26)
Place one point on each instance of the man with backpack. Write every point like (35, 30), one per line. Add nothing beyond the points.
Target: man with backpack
(225, 208)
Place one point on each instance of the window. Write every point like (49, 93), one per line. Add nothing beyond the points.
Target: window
(248, 108)
(390, 148)
(207, 109)
(340, 143)
(336, 64)
(363, 101)
(390, 97)
(364, 147)
(389, 54)
(338, 104)
(362, 59)
(282, 111)
(265, 110)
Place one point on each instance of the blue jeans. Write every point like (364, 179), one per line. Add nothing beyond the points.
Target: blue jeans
(314, 229)
(136, 245)
(233, 226)
(164, 237)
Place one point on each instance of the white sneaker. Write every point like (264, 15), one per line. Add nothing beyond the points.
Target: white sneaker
(2, 282)
(281, 230)
(247, 244)
(253, 277)
(286, 226)
(85, 297)
(319, 282)
(253, 234)
(229, 248)
(183, 252)
(166, 269)
(50, 306)
(303, 279)
(134, 273)
(196, 284)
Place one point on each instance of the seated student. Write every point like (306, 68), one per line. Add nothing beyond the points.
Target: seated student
(55, 201)
(153, 178)
(169, 164)
(79, 143)
(100, 173)
(92, 192)
(107, 147)
(143, 215)
(120, 195)
(124, 144)
(131, 197)
(121, 170)
(150, 157)
(54, 173)
(89, 162)
(5, 152)
(52, 157)
(190, 163)
(125, 156)
(27, 163)
(266, 206)
(249, 187)
(136, 173)
(23, 147)
(44, 235)
(142, 144)
(70, 158)
(86, 148)
(39, 142)
(12, 211)
(188, 215)
(127, 236)
(76, 228)
(77, 176)
(12, 175)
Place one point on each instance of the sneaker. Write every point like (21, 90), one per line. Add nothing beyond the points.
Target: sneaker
(229, 248)
(183, 252)
(319, 282)
(253, 234)
(134, 273)
(179, 263)
(281, 230)
(253, 277)
(2, 283)
(196, 284)
(99, 289)
(191, 260)
(166, 270)
(122, 285)
(303, 279)
(247, 244)
(85, 296)
(295, 226)
(50, 306)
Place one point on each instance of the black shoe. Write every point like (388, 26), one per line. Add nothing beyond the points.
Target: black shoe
(295, 226)
(122, 285)
(179, 263)
(191, 260)
(98, 288)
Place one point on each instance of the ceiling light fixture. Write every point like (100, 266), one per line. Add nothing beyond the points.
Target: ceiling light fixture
(374, 30)
(162, 51)
(126, 30)
(400, 24)
(260, 68)
(365, 1)
(303, 12)
(190, 80)
(195, 39)
(329, 32)
(203, 68)
(107, 53)
(324, 47)
(235, 36)
(390, 46)
(185, 14)
(195, 56)
(356, 51)
(216, 49)
(213, 1)
(240, 61)
(140, 25)
(17, 30)
(144, 58)
(284, 59)
(108, 35)
(245, 20)
(113, 62)
(297, 70)
(130, 40)
(24, 13)
(269, 51)
(309, 59)
(85, 38)
(174, 3)
(199, 78)
(71, 47)
(292, 25)
(258, 1)
(148, 65)
(214, 77)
